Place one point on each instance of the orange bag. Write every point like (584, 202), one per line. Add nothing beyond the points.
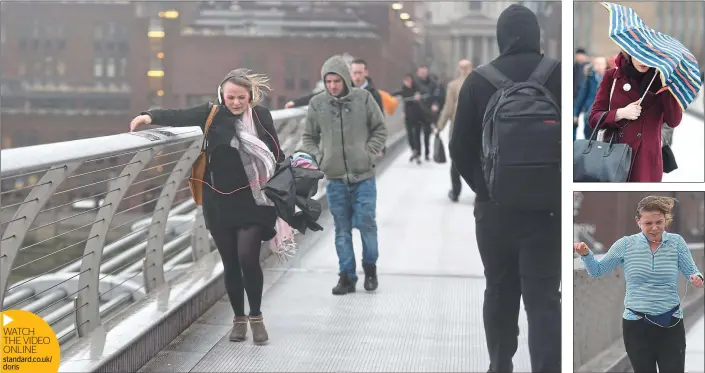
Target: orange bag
(199, 166)
(389, 102)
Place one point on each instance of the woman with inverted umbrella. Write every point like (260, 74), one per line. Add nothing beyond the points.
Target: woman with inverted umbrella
(654, 79)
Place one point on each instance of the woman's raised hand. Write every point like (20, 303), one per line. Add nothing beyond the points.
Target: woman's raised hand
(139, 120)
(581, 248)
(696, 281)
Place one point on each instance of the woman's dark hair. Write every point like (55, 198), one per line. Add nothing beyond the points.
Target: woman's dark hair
(662, 204)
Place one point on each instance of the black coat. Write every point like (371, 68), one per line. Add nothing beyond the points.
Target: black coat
(224, 168)
(415, 111)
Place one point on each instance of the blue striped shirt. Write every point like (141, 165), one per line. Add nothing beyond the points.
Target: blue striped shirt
(651, 277)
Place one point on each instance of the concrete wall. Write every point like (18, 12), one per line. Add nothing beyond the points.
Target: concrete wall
(598, 304)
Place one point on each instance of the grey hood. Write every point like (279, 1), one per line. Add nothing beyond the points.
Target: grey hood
(337, 65)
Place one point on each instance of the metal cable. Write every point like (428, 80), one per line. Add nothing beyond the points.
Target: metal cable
(140, 205)
(160, 165)
(150, 179)
(24, 188)
(91, 184)
(115, 271)
(35, 172)
(16, 204)
(167, 154)
(52, 287)
(143, 192)
(78, 200)
(48, 271)
(76, 292)
(59, 318)
(57, 221)
(134, 233)
(75, 176)
(56, 236)
(57, 251)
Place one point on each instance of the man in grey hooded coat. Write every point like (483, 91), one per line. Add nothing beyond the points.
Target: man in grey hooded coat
(345, 132)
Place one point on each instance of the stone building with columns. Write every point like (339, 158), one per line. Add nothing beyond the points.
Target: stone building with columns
(457, 30)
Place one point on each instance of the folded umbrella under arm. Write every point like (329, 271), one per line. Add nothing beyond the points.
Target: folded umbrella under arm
(290, 187)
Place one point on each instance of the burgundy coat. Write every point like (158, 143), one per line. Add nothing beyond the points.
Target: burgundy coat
(643, 134)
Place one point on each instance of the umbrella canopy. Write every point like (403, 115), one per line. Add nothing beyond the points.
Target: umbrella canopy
(678, 67)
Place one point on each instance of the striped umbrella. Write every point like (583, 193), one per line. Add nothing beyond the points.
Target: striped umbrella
(678, 67)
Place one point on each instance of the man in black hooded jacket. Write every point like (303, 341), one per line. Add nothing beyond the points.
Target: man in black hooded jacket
(520, 250)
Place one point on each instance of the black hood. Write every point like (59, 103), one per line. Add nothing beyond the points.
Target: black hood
(518, 31)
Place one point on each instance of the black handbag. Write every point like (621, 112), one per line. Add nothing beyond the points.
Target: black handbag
(669, 160)
(439, 151)
(599, 161)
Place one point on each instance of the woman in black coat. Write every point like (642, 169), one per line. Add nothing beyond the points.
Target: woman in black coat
(242, 150)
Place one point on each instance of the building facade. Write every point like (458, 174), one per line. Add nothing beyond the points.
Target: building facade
(457, 30)
(285, 41)
(77, 70)
(69, 71)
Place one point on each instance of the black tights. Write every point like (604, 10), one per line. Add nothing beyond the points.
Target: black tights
(240, 249)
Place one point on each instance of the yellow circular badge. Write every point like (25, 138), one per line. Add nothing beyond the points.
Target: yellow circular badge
(29, 344)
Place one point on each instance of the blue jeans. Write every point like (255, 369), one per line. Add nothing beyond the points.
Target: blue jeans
(354, 205)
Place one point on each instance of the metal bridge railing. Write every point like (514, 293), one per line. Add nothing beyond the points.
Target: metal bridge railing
(90, 226)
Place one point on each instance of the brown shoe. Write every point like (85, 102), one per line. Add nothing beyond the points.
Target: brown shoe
(259, 333)
(239, 332)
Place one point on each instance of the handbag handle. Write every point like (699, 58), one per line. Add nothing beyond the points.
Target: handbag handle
(594, 132)
(608, 151)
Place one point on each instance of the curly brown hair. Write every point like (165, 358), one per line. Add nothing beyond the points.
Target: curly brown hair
(657, 203)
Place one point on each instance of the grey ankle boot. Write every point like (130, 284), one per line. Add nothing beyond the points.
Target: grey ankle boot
(239, 332)
(259, 333)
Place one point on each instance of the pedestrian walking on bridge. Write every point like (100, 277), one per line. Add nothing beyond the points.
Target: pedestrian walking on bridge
(242, 150)
(345, 131)
(448, 115)
(652, 325)
(517, 202)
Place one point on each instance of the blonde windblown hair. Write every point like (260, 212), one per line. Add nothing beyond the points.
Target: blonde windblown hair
(257, 84)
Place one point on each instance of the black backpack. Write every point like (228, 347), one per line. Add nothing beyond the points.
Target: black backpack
(521, 140)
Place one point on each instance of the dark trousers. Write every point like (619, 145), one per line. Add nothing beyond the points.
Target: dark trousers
(427, 131)
(240, 251)
(521, 253)
(649, 345)
(455, 182)
(413, 135)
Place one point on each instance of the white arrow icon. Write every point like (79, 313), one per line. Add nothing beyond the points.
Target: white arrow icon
(6, 320)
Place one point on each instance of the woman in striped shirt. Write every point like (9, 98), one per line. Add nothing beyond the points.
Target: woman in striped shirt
(652, 328)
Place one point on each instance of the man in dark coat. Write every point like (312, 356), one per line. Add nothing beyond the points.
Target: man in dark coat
(519, 249)
(432, 101)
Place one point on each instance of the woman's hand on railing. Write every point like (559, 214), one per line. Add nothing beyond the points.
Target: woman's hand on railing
(139, 120)
(696, 280)
(581, 248)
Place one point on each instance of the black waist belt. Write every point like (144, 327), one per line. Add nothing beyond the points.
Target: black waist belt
(663, 320)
